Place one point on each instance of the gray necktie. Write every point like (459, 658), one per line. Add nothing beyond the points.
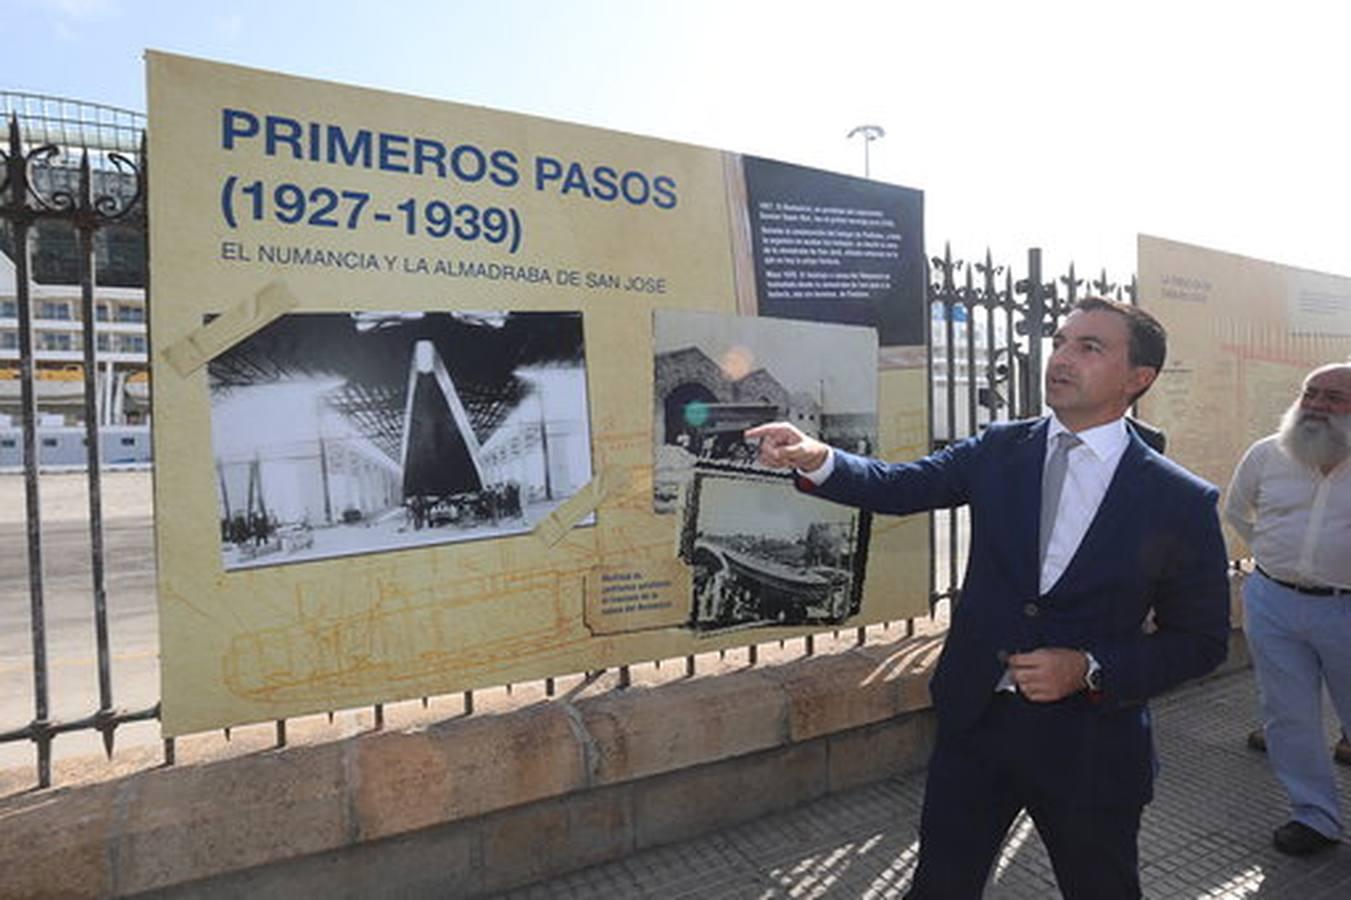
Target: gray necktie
(1052, 483)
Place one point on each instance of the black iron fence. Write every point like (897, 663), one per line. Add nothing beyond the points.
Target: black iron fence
(39, 185)
(985, 364)
(985, 358)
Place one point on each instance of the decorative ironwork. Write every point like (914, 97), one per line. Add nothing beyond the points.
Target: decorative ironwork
(37, 173)
(34, 190)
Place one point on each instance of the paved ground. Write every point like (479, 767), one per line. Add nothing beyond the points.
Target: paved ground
(1207, 834)
(71, 656)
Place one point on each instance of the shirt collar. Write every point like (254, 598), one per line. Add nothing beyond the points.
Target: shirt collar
(1105, 441)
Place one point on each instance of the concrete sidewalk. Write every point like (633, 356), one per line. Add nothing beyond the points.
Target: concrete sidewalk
(1207, 834)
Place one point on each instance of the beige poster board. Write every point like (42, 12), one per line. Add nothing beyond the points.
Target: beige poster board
(283, 203)
(1242, 334)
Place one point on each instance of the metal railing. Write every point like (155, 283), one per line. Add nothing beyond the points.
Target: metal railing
(62, 122)
(25, 202)
(987, 353)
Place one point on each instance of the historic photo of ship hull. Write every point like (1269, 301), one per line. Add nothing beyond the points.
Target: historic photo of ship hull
(764, 553)
(717, 375)
(346, 433)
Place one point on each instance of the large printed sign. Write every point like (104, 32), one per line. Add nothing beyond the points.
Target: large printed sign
(416, 365)
(1242, 334)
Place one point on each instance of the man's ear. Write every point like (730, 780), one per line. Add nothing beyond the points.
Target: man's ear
(1140, 378)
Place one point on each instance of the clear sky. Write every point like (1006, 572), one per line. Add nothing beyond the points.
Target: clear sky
(1066, 125)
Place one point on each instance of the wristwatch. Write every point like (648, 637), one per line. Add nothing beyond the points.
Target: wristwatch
(1093, 677)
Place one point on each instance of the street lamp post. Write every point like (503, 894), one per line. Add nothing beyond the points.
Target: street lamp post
(869, 133)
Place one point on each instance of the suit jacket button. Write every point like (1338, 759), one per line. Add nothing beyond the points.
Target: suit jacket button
(1031, 610)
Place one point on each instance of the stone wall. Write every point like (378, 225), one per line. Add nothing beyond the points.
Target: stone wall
(483, 803)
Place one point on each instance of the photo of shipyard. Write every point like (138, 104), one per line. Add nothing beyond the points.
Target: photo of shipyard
(336, 434)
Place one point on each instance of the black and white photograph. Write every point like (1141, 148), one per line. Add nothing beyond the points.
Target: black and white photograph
(764, 553)
(717, 375)
(336, 434)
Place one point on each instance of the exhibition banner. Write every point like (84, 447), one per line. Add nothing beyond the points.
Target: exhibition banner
(1242, 334)
(447, 397)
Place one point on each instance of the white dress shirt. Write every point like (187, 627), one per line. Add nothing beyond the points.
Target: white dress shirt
(1088, 472)
(1296, 520)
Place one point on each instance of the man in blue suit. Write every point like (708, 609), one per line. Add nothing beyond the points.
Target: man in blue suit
(1079, 532)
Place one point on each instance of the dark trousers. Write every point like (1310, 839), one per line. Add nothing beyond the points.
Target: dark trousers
(980, 780)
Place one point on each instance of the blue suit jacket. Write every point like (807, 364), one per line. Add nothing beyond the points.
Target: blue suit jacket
(1155, 544)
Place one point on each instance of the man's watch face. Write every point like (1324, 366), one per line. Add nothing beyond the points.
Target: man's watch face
(1093, 677)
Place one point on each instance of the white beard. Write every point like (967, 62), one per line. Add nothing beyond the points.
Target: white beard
(1318, 442)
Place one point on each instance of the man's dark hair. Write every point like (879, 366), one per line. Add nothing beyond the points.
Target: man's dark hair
(1149, 339)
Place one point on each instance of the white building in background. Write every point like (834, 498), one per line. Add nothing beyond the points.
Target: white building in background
(122, 384)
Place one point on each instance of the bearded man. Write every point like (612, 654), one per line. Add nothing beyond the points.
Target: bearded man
(1290, 499)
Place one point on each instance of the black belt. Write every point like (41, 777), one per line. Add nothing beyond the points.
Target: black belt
(1304, 588)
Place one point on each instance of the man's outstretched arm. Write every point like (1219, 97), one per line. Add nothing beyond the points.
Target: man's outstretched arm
(935, 481)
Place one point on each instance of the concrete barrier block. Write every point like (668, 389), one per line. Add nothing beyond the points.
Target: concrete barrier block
(192, 822)
(868, 755)
(835, 693)
(54, 844)
(692, 802)
(548, 839)
(639, 733)
(436, 864)
(404, 782)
